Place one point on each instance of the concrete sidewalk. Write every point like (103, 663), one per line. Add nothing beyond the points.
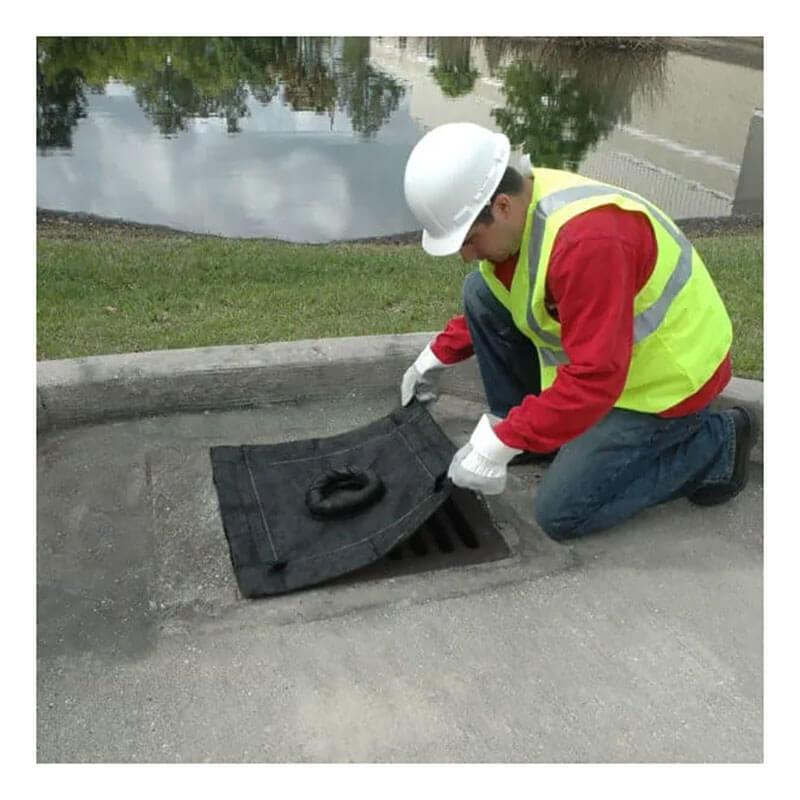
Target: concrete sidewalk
(641, 644)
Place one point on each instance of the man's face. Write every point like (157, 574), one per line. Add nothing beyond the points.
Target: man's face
(496, 240)
(480, 243)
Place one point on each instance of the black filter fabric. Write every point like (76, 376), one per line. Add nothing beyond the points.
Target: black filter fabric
(299, 513)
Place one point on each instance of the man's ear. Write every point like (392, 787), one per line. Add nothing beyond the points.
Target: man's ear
(502, 203)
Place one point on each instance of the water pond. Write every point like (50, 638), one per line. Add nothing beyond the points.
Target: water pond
(306, 139)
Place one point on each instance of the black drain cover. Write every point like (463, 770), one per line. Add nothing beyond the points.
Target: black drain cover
(305, 512)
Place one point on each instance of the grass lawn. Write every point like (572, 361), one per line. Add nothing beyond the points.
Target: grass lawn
(112, 293)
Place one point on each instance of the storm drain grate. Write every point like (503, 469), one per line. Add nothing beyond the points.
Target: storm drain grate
(283, 536)
(460, 533)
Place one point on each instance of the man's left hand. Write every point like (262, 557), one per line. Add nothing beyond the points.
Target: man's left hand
(481, 464)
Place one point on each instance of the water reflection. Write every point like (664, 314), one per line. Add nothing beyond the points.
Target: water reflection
(453, 71)
(306, 138)
(561, 102)
(60, 103)
(177, 79)
(368, 96)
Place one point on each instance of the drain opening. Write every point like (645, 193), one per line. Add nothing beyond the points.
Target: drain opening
(440, 534)
(460, 533)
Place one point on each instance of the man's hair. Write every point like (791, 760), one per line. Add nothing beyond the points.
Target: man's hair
(510, 183)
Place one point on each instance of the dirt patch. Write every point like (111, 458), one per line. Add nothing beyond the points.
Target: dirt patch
(702, 227)
(77, 225)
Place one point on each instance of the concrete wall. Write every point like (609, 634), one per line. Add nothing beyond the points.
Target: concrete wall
(750, 187)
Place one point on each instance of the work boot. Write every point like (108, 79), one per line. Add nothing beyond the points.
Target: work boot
(746, 427)
(529, 457)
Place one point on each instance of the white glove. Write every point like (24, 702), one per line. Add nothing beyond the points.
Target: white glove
(481, 463)
(421, 379)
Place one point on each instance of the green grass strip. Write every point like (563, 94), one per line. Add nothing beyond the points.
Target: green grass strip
(113, 294)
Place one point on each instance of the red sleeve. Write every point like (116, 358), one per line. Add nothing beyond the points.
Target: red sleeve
(454, 343)
(593, 282)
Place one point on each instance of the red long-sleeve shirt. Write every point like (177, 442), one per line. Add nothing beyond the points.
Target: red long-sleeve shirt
(600, 261)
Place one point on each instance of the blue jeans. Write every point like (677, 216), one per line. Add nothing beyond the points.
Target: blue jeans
(625, 463)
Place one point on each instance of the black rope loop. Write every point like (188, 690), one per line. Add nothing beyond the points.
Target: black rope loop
(343, 491)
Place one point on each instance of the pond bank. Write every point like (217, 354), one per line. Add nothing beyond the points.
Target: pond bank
(79, 225)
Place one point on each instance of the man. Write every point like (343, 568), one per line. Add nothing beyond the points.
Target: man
(599, 334)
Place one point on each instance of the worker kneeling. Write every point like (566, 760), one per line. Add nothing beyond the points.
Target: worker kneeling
(599, 334)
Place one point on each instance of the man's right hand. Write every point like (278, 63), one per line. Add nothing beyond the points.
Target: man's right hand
(421, 379)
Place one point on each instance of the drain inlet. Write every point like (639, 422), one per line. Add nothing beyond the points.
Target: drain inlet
(462, 527)
(459, 533)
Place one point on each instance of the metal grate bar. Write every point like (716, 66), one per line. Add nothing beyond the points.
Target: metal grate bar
(460, 533)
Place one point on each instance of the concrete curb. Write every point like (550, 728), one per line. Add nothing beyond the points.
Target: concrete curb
(101, 388)
(98, 388)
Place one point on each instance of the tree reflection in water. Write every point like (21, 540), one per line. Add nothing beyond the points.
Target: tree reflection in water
(561, 96)
(177, 79)
(454, 72)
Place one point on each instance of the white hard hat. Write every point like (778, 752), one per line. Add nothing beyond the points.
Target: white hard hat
(451, 174)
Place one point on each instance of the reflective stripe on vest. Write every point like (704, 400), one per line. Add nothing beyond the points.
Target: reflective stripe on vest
(645, 322)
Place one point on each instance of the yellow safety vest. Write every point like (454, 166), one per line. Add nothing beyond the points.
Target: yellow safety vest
(682, 331)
